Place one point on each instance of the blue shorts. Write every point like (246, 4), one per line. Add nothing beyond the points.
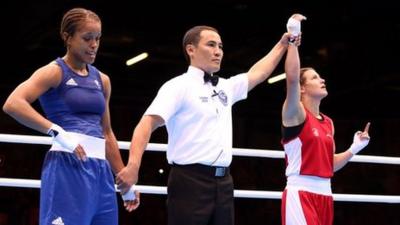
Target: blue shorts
(77, 192)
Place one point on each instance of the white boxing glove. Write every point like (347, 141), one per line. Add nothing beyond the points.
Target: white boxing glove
(62, 137)
(358, 143)
(293, 26)
(130, 194)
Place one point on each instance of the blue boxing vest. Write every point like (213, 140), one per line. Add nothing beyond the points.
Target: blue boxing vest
(78, 103)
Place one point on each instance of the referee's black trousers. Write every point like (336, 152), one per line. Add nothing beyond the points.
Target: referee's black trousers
(200, 195)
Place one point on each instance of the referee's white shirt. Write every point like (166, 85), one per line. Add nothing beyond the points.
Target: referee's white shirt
(198, 117)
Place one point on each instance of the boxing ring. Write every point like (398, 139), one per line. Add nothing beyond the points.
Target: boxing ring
(162, 190)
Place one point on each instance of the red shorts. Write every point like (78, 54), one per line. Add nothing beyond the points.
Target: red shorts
(306, 208)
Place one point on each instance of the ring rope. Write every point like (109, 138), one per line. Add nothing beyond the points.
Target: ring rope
(162, 190)
(29, 139)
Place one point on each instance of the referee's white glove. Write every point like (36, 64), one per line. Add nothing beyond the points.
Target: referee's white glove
(62, 137)
(129, 195)
(359, 142)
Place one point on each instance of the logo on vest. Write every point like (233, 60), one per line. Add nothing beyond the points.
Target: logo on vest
(315, 132)
(71, 82)
(97, 84)
(58, 221)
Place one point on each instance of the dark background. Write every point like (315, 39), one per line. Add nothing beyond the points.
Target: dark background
(353, 45)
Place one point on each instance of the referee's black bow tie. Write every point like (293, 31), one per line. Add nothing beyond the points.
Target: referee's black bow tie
(213, 79)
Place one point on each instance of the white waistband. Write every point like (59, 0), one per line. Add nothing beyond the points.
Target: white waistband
(93, 146)
(310, 183)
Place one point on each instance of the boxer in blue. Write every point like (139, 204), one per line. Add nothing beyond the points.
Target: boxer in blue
(77, 183)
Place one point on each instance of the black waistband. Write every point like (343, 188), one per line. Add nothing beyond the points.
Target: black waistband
(215, 171)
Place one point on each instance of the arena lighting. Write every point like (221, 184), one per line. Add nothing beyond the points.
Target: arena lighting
(136, 59)
(276, 78)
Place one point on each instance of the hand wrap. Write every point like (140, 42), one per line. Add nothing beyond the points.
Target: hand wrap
(293, 26)
(358, 143)
(130, 194)
(62, 137)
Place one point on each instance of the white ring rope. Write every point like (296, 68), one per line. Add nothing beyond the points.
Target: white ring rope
(28, 139)
(27, 183)
(161, 190)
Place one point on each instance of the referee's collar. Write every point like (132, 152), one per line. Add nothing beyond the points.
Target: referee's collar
(196, 72)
